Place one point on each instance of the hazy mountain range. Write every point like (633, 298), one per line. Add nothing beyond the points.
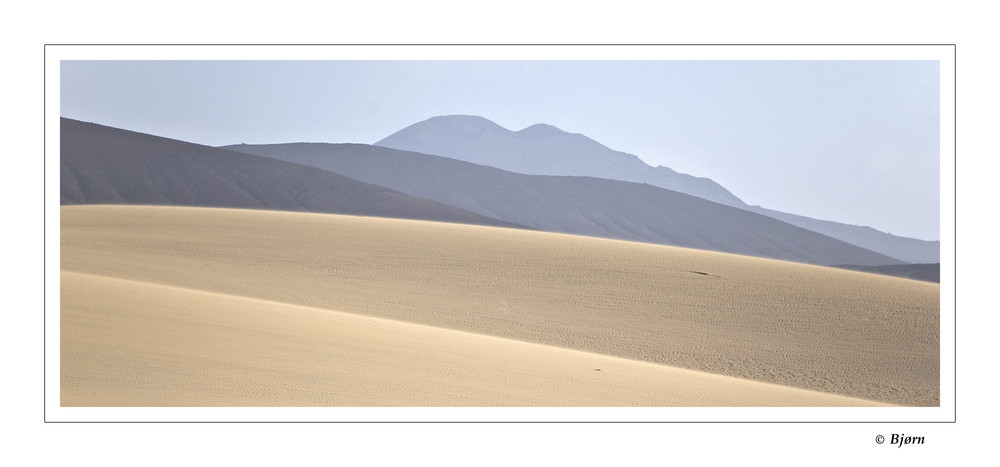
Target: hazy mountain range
(546, 150)
(543, 150)
(577, 205)
(928, 272)
(103, 165)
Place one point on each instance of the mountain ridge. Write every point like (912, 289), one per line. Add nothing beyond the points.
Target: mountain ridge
(548, 151)
(544, 149)
(575, 204)
(106, 165)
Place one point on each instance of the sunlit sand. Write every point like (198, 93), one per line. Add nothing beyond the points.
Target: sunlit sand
(167, 306)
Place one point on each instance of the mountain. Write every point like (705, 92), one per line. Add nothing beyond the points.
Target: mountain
(104, 165)
(543, 150)
(922, 272)
(911, 250)
(577, 205)
(546, 150)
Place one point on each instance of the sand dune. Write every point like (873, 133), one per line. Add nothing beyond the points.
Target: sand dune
(180, 347)
(194, 306)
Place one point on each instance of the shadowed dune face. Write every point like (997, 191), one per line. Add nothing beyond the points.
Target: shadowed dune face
(815, 328)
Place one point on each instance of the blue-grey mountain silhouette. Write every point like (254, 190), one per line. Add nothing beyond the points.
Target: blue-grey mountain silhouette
(577, 205)
(104, 165)
(546, 150)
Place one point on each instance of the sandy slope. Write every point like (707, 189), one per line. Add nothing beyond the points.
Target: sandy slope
(180, 347)
(823, 329)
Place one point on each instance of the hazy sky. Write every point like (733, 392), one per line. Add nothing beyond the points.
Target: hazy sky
(850, 141)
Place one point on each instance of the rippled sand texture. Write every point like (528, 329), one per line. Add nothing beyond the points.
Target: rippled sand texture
(190, 306)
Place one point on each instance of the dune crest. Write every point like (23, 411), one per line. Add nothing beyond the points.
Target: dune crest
(821, 329)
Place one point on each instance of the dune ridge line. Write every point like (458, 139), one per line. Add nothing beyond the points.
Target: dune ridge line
(822, 329)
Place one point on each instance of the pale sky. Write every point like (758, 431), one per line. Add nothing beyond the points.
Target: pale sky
(851, 141)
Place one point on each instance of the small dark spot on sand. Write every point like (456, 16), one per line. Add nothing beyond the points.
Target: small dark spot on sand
(597, 369)
(699, 272)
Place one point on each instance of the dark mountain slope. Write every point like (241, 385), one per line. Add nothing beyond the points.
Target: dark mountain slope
(577, 205)
(104, 165)
(546, 150)
(911, 250)
(930, 272)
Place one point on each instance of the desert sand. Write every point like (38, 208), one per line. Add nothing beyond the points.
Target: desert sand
(167, 306)
(179, 347)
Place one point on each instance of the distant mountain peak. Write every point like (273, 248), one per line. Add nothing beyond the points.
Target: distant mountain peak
(474, 123)
(543, 128)
(542, 149)
(459, 123)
